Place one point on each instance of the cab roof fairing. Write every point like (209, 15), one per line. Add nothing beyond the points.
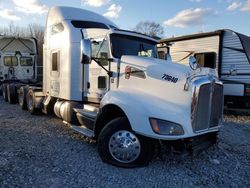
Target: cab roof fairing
(132, 33)
(59, 13)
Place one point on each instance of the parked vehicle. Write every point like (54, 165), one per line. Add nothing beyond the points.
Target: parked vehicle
(107, 84)
(228, 52)
(18, 65)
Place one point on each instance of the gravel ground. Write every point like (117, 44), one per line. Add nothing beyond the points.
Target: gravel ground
(40, 151)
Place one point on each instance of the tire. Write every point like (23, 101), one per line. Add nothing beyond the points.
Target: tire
(12, 93)
(1, 89)
(31, 102)
(22, 97)
(118, 132)
(5, 96)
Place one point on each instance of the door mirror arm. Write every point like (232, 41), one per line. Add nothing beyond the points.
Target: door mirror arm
(97, 60)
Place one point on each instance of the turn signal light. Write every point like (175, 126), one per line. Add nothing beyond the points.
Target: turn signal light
(127, 72)
(164, 127)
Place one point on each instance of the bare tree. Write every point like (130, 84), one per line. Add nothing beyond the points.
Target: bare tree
(37, 31)
(152, 29)
(13, 30)
(33, 30)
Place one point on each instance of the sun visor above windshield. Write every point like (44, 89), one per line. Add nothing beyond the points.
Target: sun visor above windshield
(94, 33)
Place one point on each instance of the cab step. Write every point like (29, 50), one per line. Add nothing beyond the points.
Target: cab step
(87, 114)
(83, 130)
(48, 104)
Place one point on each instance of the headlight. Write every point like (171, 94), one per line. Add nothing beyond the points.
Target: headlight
(166, 127)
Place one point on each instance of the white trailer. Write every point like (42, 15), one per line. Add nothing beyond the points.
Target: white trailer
(226, 51)
(18, 64)
(108, 84)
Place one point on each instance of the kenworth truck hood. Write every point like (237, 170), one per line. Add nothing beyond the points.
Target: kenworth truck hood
(161, 78)
(152, 63)
(154, 88)
(163, 81)
(163, 71)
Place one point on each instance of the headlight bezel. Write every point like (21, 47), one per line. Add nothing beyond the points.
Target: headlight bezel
(164, 127)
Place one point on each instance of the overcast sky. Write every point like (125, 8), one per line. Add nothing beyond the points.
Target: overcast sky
(177, 16)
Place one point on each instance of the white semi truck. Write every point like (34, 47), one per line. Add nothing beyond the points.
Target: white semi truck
(108, 85)
(18, 65)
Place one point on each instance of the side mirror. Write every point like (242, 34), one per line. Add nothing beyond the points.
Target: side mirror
(86, 51)
(193, 63)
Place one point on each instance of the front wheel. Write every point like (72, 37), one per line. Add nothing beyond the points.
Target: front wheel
(120, 146)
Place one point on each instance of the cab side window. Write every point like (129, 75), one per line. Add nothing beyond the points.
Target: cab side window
(57, 28)
(101, 50)
(55, 61)
(161, 54)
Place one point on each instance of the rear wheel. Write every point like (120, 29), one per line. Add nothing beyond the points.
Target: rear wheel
(22, 97)
(5, 96)
(120, 146)
(31, 102)
(1, 89)
(12, 93)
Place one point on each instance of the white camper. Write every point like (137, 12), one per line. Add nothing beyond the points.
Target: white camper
(18, 57)
(224, 50)
(107, 84)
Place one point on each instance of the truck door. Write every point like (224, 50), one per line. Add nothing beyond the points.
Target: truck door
(98, 78)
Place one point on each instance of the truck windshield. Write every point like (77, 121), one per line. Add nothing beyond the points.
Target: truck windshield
(131, 45)
(10, 61)
(26, 61)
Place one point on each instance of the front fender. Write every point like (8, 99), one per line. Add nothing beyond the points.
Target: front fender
(139, 107)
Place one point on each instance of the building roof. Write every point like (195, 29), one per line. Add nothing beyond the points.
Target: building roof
(192, 36)
(58, 13)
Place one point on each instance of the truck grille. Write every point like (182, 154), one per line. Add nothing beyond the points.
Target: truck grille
(207, 105)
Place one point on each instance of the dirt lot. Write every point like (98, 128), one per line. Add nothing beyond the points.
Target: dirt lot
(40, 151)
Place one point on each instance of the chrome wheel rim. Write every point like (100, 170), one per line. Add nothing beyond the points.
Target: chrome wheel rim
(124, 146)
